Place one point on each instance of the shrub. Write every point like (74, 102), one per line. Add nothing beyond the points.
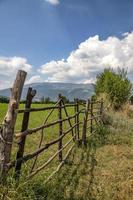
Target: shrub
(116, 85)
(4, 99)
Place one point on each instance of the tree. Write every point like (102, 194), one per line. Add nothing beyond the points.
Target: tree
(115, 85)
(42, 99)
(47, 100)
(4, 99)
(65, 100)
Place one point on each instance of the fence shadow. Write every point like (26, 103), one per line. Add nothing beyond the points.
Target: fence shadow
(75, 180)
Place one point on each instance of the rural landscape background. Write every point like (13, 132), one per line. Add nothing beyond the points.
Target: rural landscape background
(66, 100)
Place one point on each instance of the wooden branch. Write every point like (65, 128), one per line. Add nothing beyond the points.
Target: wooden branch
(68, 117)
(50, 160)
(85, 123)
(30, 94)
(60, 127)
(9, 124)
(94, 117)
(46, 146)
(77, 117)
(34, 130)
(42, 109)
(60, 165)
(42, 136)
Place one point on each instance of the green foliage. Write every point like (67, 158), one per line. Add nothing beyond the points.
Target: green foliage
(115, 85)
(94, 97)
(47, 100)
(65, 100)
(4, 99)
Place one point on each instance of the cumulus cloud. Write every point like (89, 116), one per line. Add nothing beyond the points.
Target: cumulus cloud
(82, 65)
(91, 57)
(53, 2)
(9, 67)
(34, 79)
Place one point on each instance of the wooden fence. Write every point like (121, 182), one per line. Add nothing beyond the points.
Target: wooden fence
(78, 129)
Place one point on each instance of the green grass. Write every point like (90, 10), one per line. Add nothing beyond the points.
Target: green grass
(32, 141)
(102, 171)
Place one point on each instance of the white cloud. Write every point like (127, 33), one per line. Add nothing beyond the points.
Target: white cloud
(34, 79)
(53, 2)
(91, 57)
(82, 66)
(9, 67)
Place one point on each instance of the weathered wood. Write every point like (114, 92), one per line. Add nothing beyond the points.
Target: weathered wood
(9, 124)
(77, 107)
(61, 164)
(42, 136)
(94, 117)
(69, 121)
(77, 118)
(85, 123)
(50, 159)
(43, 109)
(46, 146)
(30, 94)
(60, 127)
(34, 130)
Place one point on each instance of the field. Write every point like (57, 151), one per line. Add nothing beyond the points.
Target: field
(102, 171)
(32, 141)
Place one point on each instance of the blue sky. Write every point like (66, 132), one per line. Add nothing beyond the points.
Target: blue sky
(41, 32)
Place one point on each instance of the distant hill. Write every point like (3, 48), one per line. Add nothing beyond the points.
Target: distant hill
(70, 90)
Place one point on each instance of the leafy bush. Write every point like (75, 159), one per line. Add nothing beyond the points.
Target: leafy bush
(116, 85)
(4, 99)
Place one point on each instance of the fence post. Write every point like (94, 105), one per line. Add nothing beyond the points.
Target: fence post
(60, 125)
(9, 124)
(77, 118)
(30, 94)
(85, 122)
(91, 113)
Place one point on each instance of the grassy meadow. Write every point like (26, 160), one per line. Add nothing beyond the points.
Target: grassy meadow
(102, 171)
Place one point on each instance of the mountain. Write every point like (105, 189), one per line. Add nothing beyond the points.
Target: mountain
(45, 89)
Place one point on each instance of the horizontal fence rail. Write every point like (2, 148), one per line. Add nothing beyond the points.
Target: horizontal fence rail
(75, 127)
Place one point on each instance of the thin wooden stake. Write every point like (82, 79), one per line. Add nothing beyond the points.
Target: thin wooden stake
(77, 119)
(60, 126)
(9, 124)
(67, 115)
(85, 123)
(30, 94)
